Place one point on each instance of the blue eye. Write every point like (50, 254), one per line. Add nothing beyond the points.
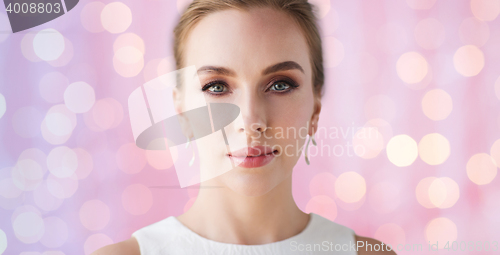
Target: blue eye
(280, 86)
(217, 88)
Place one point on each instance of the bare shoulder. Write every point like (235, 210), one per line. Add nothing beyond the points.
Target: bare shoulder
(370, 246)
(127, 247)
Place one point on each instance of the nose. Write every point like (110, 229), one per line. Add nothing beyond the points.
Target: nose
(253, 119)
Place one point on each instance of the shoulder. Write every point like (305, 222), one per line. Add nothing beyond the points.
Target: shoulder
(368, 246)
(127, 247)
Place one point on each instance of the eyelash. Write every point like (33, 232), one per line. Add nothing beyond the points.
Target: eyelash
(292, 85)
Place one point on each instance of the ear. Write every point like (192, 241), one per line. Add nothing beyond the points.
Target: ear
(177, 96)
(313, 126)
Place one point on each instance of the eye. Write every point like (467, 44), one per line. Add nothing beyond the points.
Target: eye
(215, 88)
(280, 86)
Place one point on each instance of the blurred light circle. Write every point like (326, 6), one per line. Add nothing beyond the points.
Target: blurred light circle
(330, 22)
(429, 33)
(116, 17)
(129, 55)
(48, 44)
(8, 188)
(441, 231)
(323, 206)
(323, 7)
(495, 152)
(62, 109)
(4, 26)
(44, 199)
(113, 116)
(137, 199)
(422, 192)
(130, 158)
(27, 47)
(421, 4)
(402, 150)
(322, 184)
(434, 149)
(56, 232)
(26, 121)
(58, 124)
(3, 237)
(384, 197)
(437, 104)
(79, 97)
(350, 206)
(486, 10)
(3, 106)
(91, 16)
(27, 174)
(129, 40)
(350, 187)
(437, 192)
(52, 86)
(62, 187)
(370, 140)
(161, 159)
(474, 31)
(481, 169)
(380, 106)
(497, 88)
(452, 192)
(468, 60)
(66, 56)
(412, 67)
(392, 38)
(28, 227)
(127, 70)
(94, 215)
(382, 126)
(62, 162)
(52, 138)
(392, 234)
(334, 51)
(85, 163)
(95, 242)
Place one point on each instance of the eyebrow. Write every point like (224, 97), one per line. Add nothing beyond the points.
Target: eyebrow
(283, 66)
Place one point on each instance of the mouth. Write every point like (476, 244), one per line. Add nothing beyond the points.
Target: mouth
(252, 157)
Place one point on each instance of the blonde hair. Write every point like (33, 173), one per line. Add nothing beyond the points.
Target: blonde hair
(300, 10)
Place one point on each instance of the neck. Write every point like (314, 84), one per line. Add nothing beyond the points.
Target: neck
(223, 215)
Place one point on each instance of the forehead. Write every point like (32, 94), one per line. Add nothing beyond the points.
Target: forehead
(247, 40)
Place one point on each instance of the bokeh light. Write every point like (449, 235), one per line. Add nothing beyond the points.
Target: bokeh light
(95, 242)
(56, 232)
(28, 227)
(429, 33)
(52, 86)
(4, 26)
(487, 10)
(443, 192)
(48, 44)
(495, 152)
(137, 199)
(85, 163)
(66, 55)
(437, 104)
(107, 113)
(412, 67)
(323, 206)
(370, 140)
(468, 60)
(62, 162)
(3, 241)
(350, 187)
(382, 126)
(422, 192)
(116, 17)
(441, 231)
(27, 47)
(3, 106)
(62, 187)
(44, 199)
(481, 168)
(402, 150)
(474, 31)
(91, 16)
(434, 149)
(333, 51)
(79, 97)
(129, 40)
(27, 174)
(94, 215)
(392, 234)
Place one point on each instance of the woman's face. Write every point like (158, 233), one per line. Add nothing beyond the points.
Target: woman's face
(258, 60)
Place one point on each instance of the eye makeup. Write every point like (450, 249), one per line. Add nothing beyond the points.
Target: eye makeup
(213, 87)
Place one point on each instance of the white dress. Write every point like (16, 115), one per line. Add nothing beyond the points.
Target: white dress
(321, 236)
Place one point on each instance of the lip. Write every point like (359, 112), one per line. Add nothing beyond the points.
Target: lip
(251, 157)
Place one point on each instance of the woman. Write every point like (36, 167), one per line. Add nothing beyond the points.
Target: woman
(265, 57)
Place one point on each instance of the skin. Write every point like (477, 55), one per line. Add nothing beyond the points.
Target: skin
(253, 205)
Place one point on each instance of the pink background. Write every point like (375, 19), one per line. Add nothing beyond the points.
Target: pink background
(426, 73)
